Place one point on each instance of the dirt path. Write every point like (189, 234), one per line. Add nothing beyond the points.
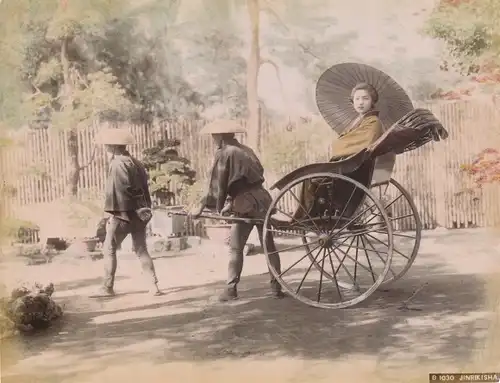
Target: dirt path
(185, 336)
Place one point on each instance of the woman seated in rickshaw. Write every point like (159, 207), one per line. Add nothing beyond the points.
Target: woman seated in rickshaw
(363, 132)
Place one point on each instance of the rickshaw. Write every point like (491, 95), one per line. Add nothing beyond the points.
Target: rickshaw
(362, 232)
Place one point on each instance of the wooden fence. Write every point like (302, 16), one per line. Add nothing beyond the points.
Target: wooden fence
(37, 165)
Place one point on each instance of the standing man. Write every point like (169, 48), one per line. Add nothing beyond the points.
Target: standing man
(128, 202)
(236, 186)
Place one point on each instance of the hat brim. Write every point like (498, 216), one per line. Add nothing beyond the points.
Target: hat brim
(221, 127)
(333, 95)
(114, 137)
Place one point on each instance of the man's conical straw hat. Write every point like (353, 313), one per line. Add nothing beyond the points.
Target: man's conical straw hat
(222, 126)
(111, 136)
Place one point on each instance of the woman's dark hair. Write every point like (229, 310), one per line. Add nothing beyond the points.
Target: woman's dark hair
(369, 88)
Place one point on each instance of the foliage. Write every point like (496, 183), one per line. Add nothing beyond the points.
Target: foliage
(169, 173)
(81, 212)
(120, 63)
(29, 309)
(58, 86)
(192, 195)
(471, 34)
(15, 229)
(212, 57)
(307, 135)
(485, 168)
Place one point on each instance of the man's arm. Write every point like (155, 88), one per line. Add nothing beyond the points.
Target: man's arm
(218, 184)
(224, 170)
(119, 188)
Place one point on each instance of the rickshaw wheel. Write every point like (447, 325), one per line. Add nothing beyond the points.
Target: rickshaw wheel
(323, 237)
(407, 227)
(406, 224)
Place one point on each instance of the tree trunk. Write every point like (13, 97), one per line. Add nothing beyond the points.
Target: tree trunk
(74, 172)
(72, 138)
(253, 66)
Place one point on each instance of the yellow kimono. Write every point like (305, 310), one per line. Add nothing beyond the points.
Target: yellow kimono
(365, 131)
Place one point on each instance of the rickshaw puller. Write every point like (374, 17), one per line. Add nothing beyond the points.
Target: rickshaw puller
(128, 202)
(236, 186)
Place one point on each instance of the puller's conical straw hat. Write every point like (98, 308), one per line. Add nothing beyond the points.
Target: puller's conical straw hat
(333, 95)
(110, 136)
(222, 126)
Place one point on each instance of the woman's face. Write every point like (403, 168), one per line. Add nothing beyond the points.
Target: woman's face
(362, 101)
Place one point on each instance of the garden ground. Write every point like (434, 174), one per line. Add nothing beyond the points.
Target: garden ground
(186, 336)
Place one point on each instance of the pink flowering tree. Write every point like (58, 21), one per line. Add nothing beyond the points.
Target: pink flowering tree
(485, 168)
(470, 32)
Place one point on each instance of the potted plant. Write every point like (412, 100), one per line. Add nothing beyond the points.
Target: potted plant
(19, 231)
(169, 173)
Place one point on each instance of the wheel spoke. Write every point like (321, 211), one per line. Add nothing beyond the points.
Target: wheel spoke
(307, 272)
(306, 228)
(385, 244)
(378, 254)
(386, 207)
(366, 249)
(355, 218)
(359, 232)
(404, 235)
(321, 275)
(335, 278)
(293, 247)
(368, 260)
(356, 261)
(343, 211)
(341, 264)
(401, 217)
(305, 211)
(297, 262)
(394, 218)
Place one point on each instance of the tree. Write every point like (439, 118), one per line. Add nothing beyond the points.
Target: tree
(169, 173)
(142, 54)
(59, 88)
(80, 62)
(485, 168)
(215, 66)
(470, 32)
(262, 49)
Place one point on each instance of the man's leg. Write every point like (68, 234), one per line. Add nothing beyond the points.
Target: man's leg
(274, 260)
(141, 250)
(116, 231)
(240, 232)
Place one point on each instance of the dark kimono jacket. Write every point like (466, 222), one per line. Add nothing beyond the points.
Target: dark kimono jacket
(237, 177)
(126, 186)
(364, 132)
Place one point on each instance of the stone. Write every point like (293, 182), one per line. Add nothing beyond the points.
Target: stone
(193, 241)
(178, 243)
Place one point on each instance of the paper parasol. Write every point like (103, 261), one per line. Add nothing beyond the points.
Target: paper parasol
(333, 92)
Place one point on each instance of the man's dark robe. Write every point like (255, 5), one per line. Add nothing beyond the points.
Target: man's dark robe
(126, 187)
(236, 171)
